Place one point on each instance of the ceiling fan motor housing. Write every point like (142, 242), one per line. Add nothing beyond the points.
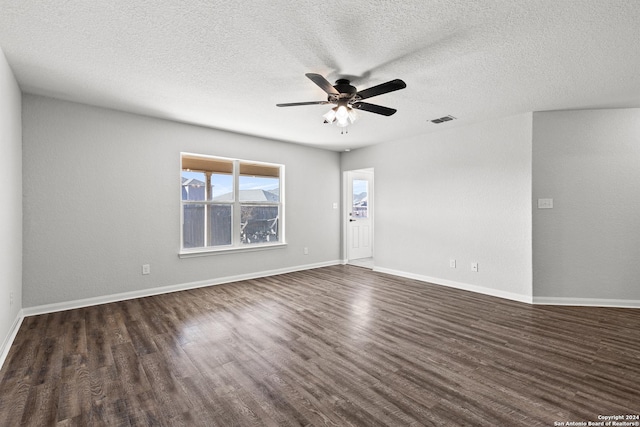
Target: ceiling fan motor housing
(345, 88)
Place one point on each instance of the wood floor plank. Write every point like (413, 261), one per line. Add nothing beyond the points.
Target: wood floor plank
(98, 337)
(75, 390)
(164, 386)
(131, 374)
(334, 346)
(16, 389)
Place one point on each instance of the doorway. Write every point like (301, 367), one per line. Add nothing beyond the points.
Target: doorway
(359, 217)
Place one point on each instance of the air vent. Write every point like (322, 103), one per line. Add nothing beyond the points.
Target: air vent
(443, 119)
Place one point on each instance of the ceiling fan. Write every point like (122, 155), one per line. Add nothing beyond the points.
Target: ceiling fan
(346, 98)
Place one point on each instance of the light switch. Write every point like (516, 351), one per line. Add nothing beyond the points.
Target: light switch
(545, 203)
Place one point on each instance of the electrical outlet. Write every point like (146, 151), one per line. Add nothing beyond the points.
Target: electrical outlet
(452, 263)
(146, 269)
(474, 266)
(545, 203)
(305, 251)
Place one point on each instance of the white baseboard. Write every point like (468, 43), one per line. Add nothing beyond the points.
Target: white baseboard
(458, 285)
(87, 302)
(68, 305)
(587, 302)
(6, 345)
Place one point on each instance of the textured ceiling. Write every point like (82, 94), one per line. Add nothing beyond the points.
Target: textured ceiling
(225, 64)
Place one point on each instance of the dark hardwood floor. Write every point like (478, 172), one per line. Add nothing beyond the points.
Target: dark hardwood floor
(333, 346)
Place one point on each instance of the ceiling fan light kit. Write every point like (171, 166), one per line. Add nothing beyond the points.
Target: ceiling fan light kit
(347, 99)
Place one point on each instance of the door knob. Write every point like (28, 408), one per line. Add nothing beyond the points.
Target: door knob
(351, 220)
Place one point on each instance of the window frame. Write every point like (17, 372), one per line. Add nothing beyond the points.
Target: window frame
(236, 208)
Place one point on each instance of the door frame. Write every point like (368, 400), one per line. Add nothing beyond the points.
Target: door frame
(346, 208)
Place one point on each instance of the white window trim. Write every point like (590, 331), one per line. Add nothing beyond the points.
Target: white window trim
(236, 245)
(190, 253)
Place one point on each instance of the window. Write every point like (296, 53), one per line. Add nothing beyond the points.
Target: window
(230, 204)
(360, 207)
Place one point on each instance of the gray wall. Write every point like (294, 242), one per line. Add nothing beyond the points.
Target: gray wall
(101, 198)
(10, 200)
(462, 193)
(588, 245)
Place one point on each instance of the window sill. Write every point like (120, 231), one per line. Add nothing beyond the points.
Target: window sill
(190, 253)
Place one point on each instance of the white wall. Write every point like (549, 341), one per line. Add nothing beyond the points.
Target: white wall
(462, 193)
(102, 195)
(588, 245)
(10, 202)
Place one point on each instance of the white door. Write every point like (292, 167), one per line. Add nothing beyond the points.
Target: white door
(359, 215)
